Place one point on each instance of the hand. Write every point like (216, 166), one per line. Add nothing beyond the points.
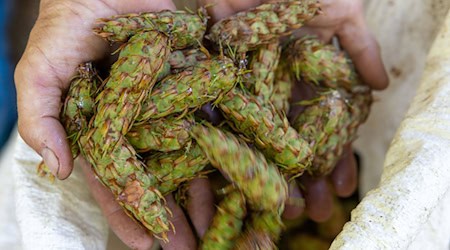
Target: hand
(345, 20)
(200, 210)
(61, 39)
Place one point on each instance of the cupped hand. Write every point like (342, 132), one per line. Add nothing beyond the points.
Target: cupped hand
(343, 19)
(200, 210)
(61, 39)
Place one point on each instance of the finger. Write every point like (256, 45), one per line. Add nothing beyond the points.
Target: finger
(318, 198)
(38, 121)
(127, 230)
(345, 177)
(323, 34)
(219, 9)
(200, 205)
(295, 205)
(124, 7)
(364, 51)
(183, 237)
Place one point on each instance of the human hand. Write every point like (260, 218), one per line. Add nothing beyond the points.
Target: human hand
(61, 39)
(345, 20)
(200, 210)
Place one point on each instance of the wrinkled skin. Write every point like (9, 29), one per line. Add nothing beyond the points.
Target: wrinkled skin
(345, 20)
(42, 78)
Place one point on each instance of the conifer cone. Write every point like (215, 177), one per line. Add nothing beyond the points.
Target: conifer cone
(347, 104)
(190, 89)
(262, 66)
(259, 180)
(164, 134)
(180, 60)
(227, 223)
(184, 29)
(282, 88)
(261, 231)
(323, 123)
(77, 109)
(268, 129)
(317, 63)
(114, 160)
(174, 168)
(263, 24)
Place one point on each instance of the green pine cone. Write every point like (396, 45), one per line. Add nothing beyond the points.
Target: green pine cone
(184, 29)
(268, 129)
(178, 93)
(174, 168)
(77, 110)
(263, 64)
(322, 123)
(184, 59)
(262, 230)
(259, 180)
(264, 24)
(180, 60)
(282, 89)
(227, 223)
(164, 134)
(317, 63)
(105, 146)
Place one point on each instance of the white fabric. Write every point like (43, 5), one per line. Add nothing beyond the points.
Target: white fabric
(407, 210)
(59, 215)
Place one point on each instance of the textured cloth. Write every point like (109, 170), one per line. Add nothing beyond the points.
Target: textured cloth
(409, 208)
(45, 215)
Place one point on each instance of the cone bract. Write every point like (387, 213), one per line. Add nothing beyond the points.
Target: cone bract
(184, 29)
(263, 24)
(258, 179)
(105, 146)
(227, 223)
(267, 129)
(176, 167)
(164, 134)
(190, 89)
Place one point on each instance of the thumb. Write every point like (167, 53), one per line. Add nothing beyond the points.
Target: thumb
(39, 105)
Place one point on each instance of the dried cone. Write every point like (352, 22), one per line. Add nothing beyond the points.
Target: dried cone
(227, 223)
(105, 146)
(184, 29)
(264, 24)
(190, 89)
(165, 134)
(268, 130)
(78, 108)
(176, 167)
(262, 66)
(259, 180)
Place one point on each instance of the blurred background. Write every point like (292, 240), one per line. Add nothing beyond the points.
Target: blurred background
(12, 43)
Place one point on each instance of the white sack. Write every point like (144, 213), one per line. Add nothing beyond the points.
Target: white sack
(416, 175)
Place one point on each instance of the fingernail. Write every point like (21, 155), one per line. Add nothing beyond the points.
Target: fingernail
(51, 161)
